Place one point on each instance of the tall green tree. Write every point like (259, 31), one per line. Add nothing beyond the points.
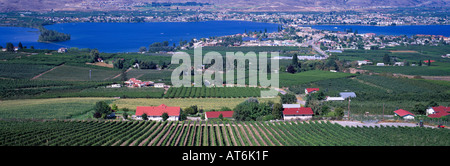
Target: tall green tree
(277, 111)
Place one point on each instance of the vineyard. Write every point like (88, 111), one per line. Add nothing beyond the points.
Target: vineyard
(191, 133)
(217, 92)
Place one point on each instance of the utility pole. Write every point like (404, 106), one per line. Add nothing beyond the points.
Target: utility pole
(349, 108)
(383, 111)
(90, 74)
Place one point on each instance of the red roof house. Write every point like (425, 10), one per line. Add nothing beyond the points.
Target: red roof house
(216, 114)
(437, 112)
(311, 90)
(404, 114)
(155, 113)
(302, 113)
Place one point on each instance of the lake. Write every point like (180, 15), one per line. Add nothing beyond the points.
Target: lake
(128, 37)
(408, 30)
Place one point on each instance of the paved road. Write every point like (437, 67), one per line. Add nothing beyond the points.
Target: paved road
(357, 123)
(315, 47)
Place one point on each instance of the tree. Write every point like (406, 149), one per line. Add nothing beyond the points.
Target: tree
(94, 55)
(339, 112)
(165, 116)
(288, 98)
(429, 62)
(295, 60)
(420, 109)
(291, 69)
(386, 59)
(143, 49)
(20, 46)
(221, 117)
(144, 116)
(277, 111)
(102, 108)
(125, 113)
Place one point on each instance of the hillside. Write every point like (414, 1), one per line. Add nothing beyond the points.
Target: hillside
(229, 5)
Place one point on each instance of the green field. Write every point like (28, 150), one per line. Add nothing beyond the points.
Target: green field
(203, 103)
(191, 133)
(60, 108)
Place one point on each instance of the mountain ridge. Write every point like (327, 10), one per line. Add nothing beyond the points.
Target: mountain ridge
(220, 5)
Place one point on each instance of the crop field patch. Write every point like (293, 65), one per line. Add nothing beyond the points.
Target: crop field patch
(192, 133)
(77, 73)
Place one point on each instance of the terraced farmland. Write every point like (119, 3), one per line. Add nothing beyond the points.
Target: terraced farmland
(191, 133)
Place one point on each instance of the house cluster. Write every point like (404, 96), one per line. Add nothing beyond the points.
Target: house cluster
(431, 112)
(133, 82)
(156, 112)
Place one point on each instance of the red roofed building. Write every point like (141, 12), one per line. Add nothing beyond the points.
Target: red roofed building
(155, 113)
(302, 113)
(426, 61)
(216, 114)
(311, 90)
(404, 114)
(437, 112)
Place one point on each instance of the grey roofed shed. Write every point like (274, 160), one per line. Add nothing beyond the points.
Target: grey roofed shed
(347, 94)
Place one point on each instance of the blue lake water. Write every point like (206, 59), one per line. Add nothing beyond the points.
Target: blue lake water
(128, 37)
(408, 30)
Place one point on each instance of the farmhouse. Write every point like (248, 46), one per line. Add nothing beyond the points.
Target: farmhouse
(159, 85)
(303, 113)
(380, 64)
(216, 114)
(437, 112)
(404, 114)
(155, 113)
(311, 90)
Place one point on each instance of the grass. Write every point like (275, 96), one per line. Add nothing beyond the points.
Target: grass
(78, 73)
(288, 79)
(204, 103)
(59, 108)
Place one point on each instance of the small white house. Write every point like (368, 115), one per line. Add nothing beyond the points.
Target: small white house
(399, 64)
(380, 64)
(404, 114)
(334, 98)
(158, 85)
